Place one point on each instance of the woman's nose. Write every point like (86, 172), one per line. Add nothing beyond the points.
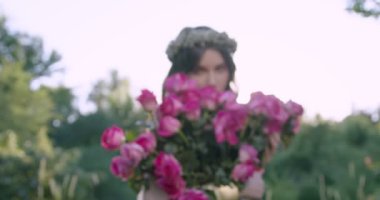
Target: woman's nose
(211, 79)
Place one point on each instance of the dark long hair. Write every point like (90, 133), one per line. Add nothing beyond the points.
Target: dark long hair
(186, 59)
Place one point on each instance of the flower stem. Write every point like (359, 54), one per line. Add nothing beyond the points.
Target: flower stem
(183, 137)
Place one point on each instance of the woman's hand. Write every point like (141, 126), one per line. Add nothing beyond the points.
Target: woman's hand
(273, 142)
(255, 187)
(153, 193)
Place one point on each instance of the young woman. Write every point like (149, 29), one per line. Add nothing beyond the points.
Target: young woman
(206, 56)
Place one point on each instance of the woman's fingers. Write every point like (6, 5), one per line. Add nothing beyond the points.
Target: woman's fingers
(274, 140)
(255, 186)
(273, 143)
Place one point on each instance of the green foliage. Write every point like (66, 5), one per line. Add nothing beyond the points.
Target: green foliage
(96, 160)
(23, 110)
(26, 50)
(326, 161)
(63, 100)
(366, 8)
(112, 96)
(35, 170)
(114, 106)
(31, 167)
(85, 131)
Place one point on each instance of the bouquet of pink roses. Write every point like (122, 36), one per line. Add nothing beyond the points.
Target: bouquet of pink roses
(199, 136)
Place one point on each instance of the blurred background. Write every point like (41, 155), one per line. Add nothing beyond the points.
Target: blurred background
(69, 69)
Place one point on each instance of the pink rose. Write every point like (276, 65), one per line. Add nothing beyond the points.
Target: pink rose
(178, 82)
(273, 126)
(220, 124)
(148, 100)
(248, 154)
(267, 105)
(168, 126)
(277, 115)
(171, 106)
(236, 107)
(228, 99)
(133, 152)
(112, 138)
(227, 123)
(167, 165)
(242, 172)
(192, 111)
(257, 104)
(294, 108)
(121, 167)
(174, 187)
(193, 194)
(276, 109)
(147, 141)
(272, 108)
(209, 97)
(191, 104)
(168, 172)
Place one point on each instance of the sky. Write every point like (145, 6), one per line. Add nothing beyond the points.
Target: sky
(311, 51)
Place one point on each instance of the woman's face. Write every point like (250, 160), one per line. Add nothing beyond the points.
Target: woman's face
(211, 70)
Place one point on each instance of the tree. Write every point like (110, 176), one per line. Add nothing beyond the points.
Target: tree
(112, 97)
(22, 60)
(114, 106)
(329, 160)
(30, 166)
(366, 8)
(64, 110)
(112, 100)
(21, 109)
(26, 50)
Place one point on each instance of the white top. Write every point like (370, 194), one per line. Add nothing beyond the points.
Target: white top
(154, 193)
(254, 189)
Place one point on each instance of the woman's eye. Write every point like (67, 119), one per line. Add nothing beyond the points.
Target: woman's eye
(221, 68)
(198, 71)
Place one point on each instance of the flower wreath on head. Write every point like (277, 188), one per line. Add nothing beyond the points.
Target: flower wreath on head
(200, 37)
